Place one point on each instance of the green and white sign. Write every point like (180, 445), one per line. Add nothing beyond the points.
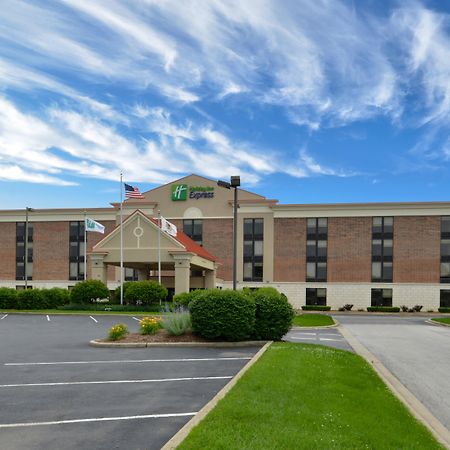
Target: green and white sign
(179, 192)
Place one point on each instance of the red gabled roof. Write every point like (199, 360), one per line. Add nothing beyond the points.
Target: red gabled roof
(189, 244)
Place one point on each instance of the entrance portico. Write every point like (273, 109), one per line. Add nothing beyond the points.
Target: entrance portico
(179, 255)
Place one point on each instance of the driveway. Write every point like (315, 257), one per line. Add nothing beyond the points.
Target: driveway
(418, 354)
(59, 393)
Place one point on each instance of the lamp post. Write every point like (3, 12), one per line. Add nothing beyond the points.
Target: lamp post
(235, 182)
(27, 210)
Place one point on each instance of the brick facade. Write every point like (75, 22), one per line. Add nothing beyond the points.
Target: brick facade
(349, 249)
(416, 249)
(289, 249)
(8, 251)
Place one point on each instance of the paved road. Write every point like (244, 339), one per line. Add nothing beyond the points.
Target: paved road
(327, 336)
(418, 354)
(55, 390)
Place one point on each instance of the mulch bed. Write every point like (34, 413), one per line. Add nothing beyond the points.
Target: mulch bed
(160, 336)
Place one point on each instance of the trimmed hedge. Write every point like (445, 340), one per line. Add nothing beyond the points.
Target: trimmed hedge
(383, 309)
(223, 315)
(109, 307)
(87, 291)
(8, 298)
(315, 308)
(31, 299)
(444, 309)
(145, 292)
(273, 314)
(185, 298)
(55, 297)
(115, 297)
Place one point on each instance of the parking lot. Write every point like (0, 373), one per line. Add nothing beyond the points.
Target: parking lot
(57, 392)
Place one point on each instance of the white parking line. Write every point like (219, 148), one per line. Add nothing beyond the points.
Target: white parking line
(135, 318)
(328, 339)
(95, 320)
(56, 363)
(48, 318)
(96, 419)
(302, 338)
(306, 334)
(1, 318)
(156, 380)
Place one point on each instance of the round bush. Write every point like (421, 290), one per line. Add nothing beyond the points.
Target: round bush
(185, 298)
(55, 297)
(88, 291)
(273, 315)
(31, 299)
(145, 292)
(115, 298)
(223, 314)
(8, 298)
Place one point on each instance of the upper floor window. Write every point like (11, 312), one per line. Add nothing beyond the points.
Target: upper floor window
(382, 248)
(316, 249)
(253, 249)
(194, 229)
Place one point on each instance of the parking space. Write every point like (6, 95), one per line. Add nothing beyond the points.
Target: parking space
(57, 392)
(327, 336)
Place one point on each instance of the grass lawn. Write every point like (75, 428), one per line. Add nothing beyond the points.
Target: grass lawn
(312, 320)
(88, 313)
(442, 320)
(301, 396)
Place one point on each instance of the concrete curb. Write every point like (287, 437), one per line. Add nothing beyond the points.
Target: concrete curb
(417, 409)
(98, 343)
(437, 324)
(179, 437)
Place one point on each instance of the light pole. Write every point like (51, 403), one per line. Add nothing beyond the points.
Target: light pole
(235, 182)
(27, 210)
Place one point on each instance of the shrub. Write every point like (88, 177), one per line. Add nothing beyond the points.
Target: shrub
(316, 308)
(177, 323)
(31, 299)
(223, 314)
(404, 308)
(118, 331)
(8, 298)
(87, 291)
(417, 308)
(115, 297)
(150, 325)
(383, 309)
(443, 309)
(346, 307)
(185, 298)
(109, 307)
(55, 297)
(145, 292)
(273, 314)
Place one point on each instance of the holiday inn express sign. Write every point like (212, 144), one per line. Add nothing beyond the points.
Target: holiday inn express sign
(181, 192)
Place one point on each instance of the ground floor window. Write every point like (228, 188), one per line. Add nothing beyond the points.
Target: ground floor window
(445, 298)
(381, 297)
(131, 274)
(316, 296)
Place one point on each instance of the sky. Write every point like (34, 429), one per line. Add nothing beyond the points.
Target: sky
(321, 101)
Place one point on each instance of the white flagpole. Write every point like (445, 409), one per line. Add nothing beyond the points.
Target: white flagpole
(159, 247)
(85, 244)
(121, 240)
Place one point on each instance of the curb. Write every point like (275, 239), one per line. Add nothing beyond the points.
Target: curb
(179, 437)
(437, 324)
(417, 409)
(98, 343)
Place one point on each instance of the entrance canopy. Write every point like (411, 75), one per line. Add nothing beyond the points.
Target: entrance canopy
(178, 254)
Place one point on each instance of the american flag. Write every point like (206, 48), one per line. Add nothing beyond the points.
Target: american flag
(132, 192)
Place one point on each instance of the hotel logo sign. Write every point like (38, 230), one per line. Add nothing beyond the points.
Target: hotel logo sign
(181, 192)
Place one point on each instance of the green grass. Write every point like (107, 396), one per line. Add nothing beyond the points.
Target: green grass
(312, 320)
(300, 396)
(442, 320)
(88, 313)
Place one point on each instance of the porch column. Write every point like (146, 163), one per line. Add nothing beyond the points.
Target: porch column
(210, 279)
(182, 273)
(99, 268)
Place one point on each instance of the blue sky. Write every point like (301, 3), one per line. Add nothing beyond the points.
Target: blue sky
(324, 101)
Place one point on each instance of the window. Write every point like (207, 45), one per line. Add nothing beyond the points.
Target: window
(316, 249)
(445, 249)
(445, 298)
(130, 274)
(194, 229)
(382, 248)
(20, 251)
(253, 249)
(316, 296)
(76, 251)
(381, 297)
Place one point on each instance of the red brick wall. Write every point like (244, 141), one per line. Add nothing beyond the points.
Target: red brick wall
(349, 249)
(8, 251)
(289, 249)
(50, 250)
(416, 249)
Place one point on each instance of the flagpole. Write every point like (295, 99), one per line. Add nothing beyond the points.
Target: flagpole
(121, 240)
(85, 244)
(159, 247)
